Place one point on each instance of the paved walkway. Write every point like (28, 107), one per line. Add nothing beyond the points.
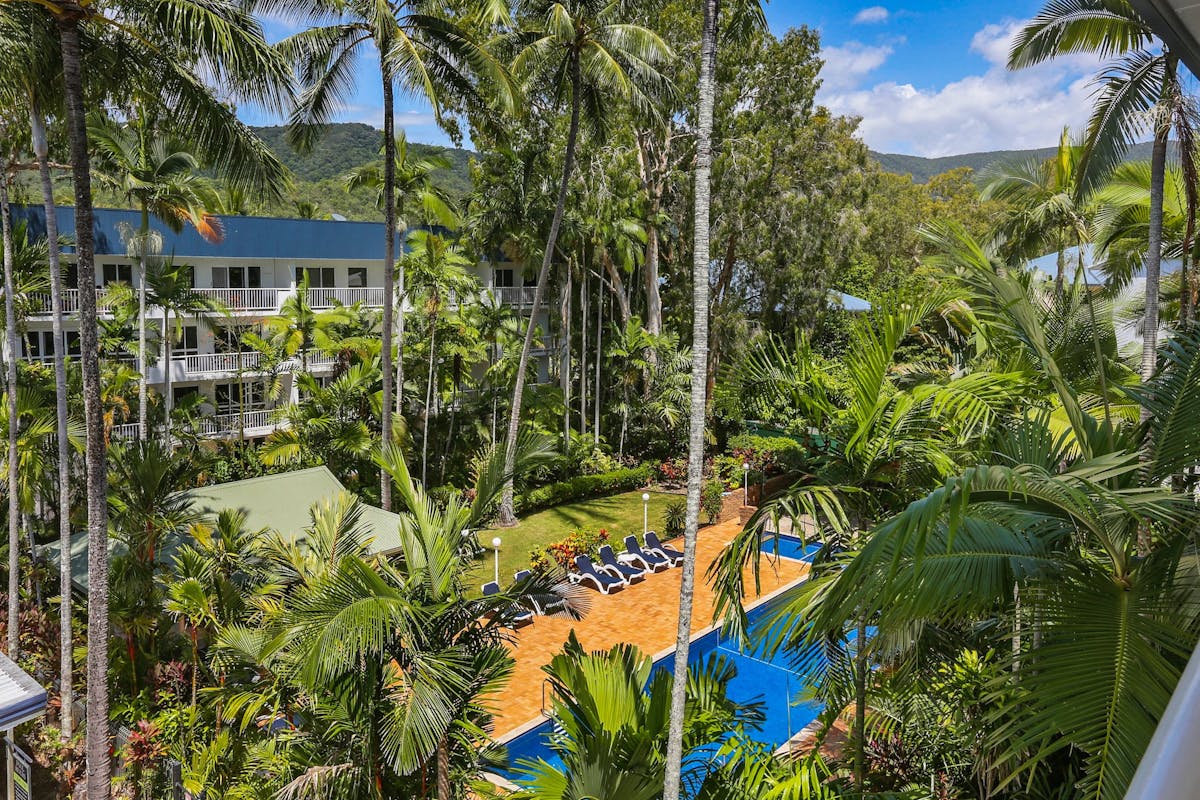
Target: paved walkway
(645, 614)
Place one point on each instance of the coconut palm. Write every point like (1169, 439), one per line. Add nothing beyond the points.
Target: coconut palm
(424, 52)
(1140, 92)
(14, 513)
(581, 52)
(158, 175)
(298, 328)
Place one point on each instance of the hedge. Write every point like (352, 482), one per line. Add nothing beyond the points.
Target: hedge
(583, 487)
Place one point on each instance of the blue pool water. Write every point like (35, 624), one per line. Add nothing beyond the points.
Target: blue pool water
(790, 547)
(775, 682)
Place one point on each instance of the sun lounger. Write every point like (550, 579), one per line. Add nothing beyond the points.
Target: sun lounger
(655, 546)
(520, 617)
(626, 572)
(602, 581)
(543, 604)
(651, 561)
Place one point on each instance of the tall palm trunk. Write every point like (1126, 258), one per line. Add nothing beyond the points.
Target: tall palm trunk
(168, 396)
(564, 368)
(14, 510)
(507, 516)
(443, 770)
(700, 264)
(66, 643)
(1158, 171)
(389, 267)
(142, 388)
(583, 362)
(599, 351)
(99, 777)
(428, 398)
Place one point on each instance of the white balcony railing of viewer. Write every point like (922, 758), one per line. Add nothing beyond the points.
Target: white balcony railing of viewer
(346, 296)
(129, 430)
(220, 362)
(245, 299)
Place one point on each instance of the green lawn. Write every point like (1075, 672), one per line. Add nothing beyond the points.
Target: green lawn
(620, 513)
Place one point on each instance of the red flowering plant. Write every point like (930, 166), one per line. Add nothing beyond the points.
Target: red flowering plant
(562, 553)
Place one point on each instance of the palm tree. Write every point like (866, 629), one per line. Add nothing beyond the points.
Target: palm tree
(298, 328)
(613, 711)
(159, 176)
(439, 277)
(426, 53)
(1140, 89)
(1047, 207)
(586, 55)
(14, 513)
(171, 291)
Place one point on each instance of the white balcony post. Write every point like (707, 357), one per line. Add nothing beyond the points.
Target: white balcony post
(1169, 768)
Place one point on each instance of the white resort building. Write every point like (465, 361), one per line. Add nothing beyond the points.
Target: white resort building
(251, 272)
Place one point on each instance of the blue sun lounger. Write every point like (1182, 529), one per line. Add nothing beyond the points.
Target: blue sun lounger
(655, 546)
(651, 561)
(626, 572)
(521, 617)
(602, 581)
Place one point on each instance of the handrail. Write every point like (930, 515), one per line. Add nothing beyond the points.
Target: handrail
(1169, 768)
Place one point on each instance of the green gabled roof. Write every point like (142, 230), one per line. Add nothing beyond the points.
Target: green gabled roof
(280, 502)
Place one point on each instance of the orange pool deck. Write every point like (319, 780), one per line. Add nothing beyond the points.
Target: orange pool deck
(645, 614)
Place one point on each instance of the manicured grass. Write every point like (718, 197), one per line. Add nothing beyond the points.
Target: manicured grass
(621, 514)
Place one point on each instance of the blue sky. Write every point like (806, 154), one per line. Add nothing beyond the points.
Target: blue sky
(927, 77)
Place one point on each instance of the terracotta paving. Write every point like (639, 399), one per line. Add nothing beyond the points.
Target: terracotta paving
(645, 614)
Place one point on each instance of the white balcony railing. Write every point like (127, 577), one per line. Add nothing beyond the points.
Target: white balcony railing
(346, 296)
(245, 299)
(220, 362)
(39, 303)
(224, 424)
(129, 430)
(515, 295)
(321, 358)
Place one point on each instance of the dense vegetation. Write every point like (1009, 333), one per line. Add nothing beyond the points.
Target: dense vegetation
(998, 462)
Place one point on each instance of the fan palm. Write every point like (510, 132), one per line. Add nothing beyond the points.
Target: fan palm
(424, 52)
(581, 52)
(160, 177)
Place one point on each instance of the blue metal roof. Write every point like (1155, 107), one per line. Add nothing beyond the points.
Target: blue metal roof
(245, 237)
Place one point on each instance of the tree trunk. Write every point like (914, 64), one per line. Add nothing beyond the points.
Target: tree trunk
(1060, 272)
(143, 399)
(860, 707)
(507, 516)
(428, 398)
(583, 362)
(443, 770)
(168, 395)
(564, 368)
(14, 510)
(618, 288)
(99, 779)
(65, 643)
(389, 269)
(1158, 168)
(599, 349)
(700, 264)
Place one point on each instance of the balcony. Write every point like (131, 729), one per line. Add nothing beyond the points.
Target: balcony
(253, 423)
(218, 363)
(371, 296)
(38, 303)
(515, 295)
(246, 299)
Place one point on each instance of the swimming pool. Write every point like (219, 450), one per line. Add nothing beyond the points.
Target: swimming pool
(790, 547)
(774, 681)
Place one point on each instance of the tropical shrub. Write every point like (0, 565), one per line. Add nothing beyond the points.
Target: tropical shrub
(772, 455)
(562, 553)
(582, 487)
(712, 500)
(675, 518)
(673, 472)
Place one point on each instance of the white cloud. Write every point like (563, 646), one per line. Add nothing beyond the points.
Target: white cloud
(997, 109)
(848, 64)
(871, 16)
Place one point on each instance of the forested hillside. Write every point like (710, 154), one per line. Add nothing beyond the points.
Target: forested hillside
(922, 169)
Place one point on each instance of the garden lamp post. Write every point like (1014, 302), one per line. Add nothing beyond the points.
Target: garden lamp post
(745, 483)
(645, 513)
(496, 549)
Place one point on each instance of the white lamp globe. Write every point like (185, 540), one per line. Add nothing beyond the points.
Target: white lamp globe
(496, 542)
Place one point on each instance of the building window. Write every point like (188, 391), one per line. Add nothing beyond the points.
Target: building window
(234, 397)
(228, 339)
(237, 277)
(319, 277)
(504, 278)
(39, 345)
(357, 277)
(186, 344)
(183, 395)
(116, 273)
